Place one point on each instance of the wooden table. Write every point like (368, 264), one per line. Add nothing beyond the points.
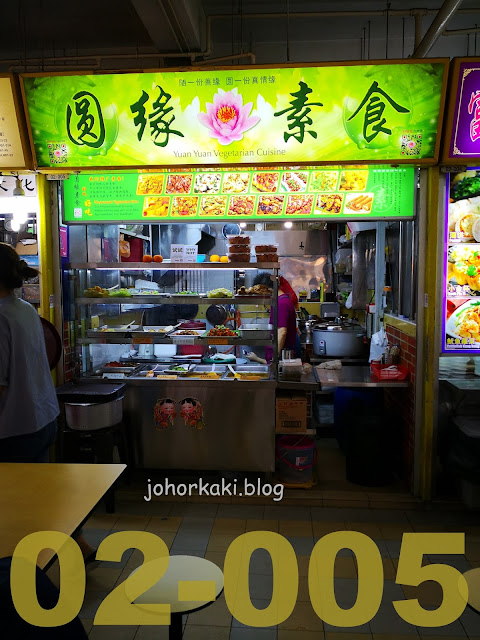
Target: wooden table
(49, 497)
(165, 591)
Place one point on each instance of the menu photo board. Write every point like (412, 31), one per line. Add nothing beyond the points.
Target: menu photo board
(461, 317)
(462, 136)
(385, 111)
(330, 193)
(13, 149)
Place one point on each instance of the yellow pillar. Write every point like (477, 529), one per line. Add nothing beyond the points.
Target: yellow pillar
(45, 250)
(432, 317)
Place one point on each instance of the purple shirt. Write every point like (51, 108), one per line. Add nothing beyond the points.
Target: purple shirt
(286, 319)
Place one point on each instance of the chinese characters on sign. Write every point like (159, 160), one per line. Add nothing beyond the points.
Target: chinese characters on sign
(159, 123)
(464, 139)
(373, 120)
(85, 124)
(298, 114)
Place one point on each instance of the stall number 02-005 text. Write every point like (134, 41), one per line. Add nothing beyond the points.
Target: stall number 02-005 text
(117, 608)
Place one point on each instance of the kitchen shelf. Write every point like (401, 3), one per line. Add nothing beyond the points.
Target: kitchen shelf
(176, 299)
(173, 266)
(108, 338)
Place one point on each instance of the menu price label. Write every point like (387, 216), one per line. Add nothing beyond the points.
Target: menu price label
(376, 192)
(461, 317)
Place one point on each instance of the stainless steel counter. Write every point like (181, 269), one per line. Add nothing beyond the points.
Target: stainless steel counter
(354, 377)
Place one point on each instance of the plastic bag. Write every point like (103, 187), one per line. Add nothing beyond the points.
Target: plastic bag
(378, 346)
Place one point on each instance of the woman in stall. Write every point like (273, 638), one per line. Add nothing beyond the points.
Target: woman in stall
(286, 318)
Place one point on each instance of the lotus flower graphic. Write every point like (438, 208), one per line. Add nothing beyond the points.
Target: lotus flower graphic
(228, 118)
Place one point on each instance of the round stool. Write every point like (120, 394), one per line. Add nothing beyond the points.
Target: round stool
(165, 591)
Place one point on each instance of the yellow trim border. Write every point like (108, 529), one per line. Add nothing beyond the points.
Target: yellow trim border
(405, 326)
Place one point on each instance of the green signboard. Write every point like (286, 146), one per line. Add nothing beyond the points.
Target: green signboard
(377, 112)
(360, 193)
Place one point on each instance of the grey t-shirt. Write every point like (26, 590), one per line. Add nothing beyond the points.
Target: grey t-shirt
(29, 401)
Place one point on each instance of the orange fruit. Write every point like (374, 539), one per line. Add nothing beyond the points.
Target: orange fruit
(158, 258)
(214, 258)
(224, 259)
(147, 258)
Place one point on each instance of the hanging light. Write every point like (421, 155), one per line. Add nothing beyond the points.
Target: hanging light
(18, 191)
(288, 224)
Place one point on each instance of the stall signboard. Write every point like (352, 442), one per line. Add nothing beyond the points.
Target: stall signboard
(461, 317)
(377, 192)
(12, 150)
(353, 112)
(463, 117)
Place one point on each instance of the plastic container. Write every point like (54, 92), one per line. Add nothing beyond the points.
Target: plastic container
(238, 248)
(266, 248)
(267, 257)
(295, 458)
(164, 350)
(388, 371)
(238, 239)
(239, 257)
(201, 257)
(93, 416)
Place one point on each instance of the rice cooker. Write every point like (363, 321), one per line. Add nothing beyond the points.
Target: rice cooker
(344, 340)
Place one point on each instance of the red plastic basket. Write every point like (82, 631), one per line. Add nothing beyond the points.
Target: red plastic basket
(386, 372)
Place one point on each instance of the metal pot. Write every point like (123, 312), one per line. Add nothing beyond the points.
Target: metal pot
(338, 340)
(93, 416)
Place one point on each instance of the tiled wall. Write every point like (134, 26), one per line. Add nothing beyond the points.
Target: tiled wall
(402, 401)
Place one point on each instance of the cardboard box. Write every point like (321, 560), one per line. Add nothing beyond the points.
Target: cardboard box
(30, 249)
(291, 414)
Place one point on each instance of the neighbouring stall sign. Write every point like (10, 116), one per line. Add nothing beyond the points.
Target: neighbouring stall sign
(463, 130)
(363, 193)
(462, 264)
(342, 113)
(12, 155)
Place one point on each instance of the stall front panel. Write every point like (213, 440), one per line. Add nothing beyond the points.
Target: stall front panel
(348, 112)
(461, 317)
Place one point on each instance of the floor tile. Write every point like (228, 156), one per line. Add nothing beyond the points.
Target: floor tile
(95, 536)
(389, 570)
(197, 632)
(177, 550)
(260, 563)
(454, 629)
(303, 618)
(459, 562)
(259, 603)
(393, 531)
(102, 579)
(295, 528)
(112, 633)
(322, 514)
(368, 528)
(470, 621)
(196, 523)
(387, 619)
(216, 615)
(303, 564)
(220, 541)
(244, 512)
(131, 523)
(235, 526)
(261, 587)
(322, 528)
(345, 568)
(164, 523)
(390, 636)
(302, 546)
(92, 601)
(284, 634)
(361, 631)
(202, 510)
(278, 512)
(354, 635)
(152, 633)
(101, 521)
(87, 624)
(217, 557)
(429, 594)
(262, 525)
(252, 634)
(192, 539)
